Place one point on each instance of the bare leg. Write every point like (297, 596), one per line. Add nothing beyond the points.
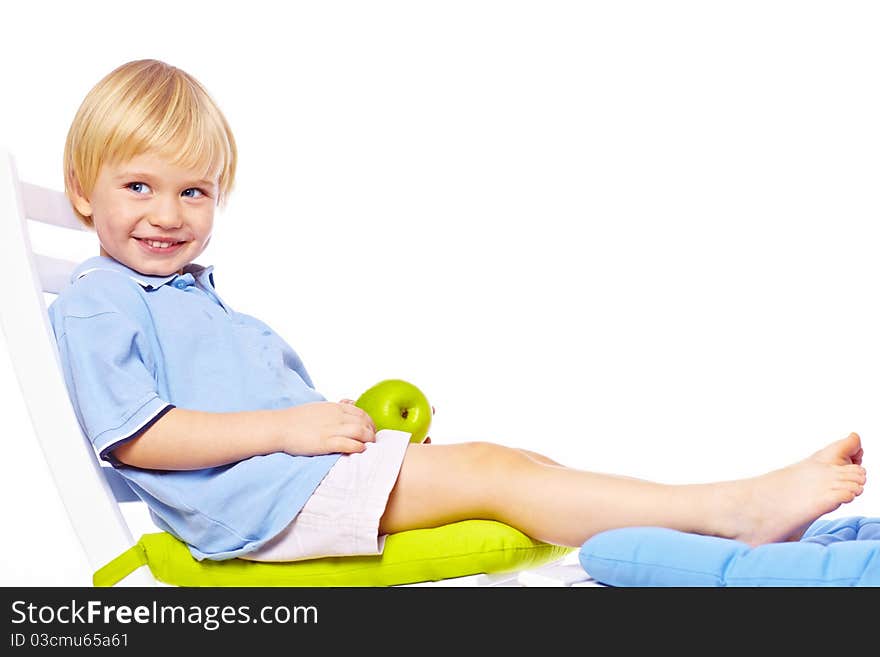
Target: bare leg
(439, 484)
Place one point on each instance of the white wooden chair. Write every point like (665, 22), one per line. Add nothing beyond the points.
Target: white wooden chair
(92, 493)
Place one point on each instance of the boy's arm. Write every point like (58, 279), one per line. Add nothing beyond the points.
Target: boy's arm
(188, 440)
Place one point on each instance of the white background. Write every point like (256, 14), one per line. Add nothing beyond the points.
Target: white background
(639, 237)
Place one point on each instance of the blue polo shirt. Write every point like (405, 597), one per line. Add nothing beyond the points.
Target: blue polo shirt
(132, 347)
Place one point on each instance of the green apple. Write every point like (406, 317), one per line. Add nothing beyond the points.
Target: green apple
(398, 404)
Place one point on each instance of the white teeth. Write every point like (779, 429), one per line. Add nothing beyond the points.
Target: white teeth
(158, 245)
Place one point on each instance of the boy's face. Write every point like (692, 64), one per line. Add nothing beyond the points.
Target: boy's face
(150, 215)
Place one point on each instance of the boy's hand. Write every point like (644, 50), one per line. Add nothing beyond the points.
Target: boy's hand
(327, 428)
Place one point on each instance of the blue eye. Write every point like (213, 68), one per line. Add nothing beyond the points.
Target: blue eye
(139, 187)
(198, 191)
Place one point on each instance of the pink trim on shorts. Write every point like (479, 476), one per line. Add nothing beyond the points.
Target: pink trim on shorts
(341, 518)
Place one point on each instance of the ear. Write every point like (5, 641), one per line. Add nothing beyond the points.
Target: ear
(79, 200)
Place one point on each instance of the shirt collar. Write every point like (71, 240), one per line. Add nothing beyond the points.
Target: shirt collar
(103, 263)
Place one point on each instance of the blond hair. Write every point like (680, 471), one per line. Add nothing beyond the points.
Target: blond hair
(148, 106)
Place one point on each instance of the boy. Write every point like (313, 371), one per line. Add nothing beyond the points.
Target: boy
(215, 422)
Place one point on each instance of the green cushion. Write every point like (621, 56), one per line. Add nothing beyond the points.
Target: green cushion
(462, 548)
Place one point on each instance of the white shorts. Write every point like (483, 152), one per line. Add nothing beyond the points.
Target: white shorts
(341, 518)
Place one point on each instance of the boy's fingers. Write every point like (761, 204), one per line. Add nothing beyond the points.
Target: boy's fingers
(362, 414)
(358, 431)
(350, 408)
(344, 445)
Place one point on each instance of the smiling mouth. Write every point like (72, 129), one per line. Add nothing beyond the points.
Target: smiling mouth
(159, 246)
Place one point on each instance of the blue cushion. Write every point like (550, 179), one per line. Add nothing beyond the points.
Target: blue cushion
(838, 552)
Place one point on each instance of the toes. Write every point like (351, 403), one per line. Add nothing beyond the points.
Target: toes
(849, 490)
(857, 457)
(854, 473)
(853, 445)
(842, 451)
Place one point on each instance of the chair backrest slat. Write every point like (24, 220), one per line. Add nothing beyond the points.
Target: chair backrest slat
(48, 206)
(54, 273)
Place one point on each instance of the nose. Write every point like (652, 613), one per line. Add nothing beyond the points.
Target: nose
(166, 214)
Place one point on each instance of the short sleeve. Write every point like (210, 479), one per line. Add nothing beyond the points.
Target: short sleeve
(108, 369)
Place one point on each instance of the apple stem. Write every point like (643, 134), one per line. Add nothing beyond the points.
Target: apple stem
(404, 413)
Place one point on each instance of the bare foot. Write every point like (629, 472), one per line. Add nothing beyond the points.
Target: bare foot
(780, 505)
